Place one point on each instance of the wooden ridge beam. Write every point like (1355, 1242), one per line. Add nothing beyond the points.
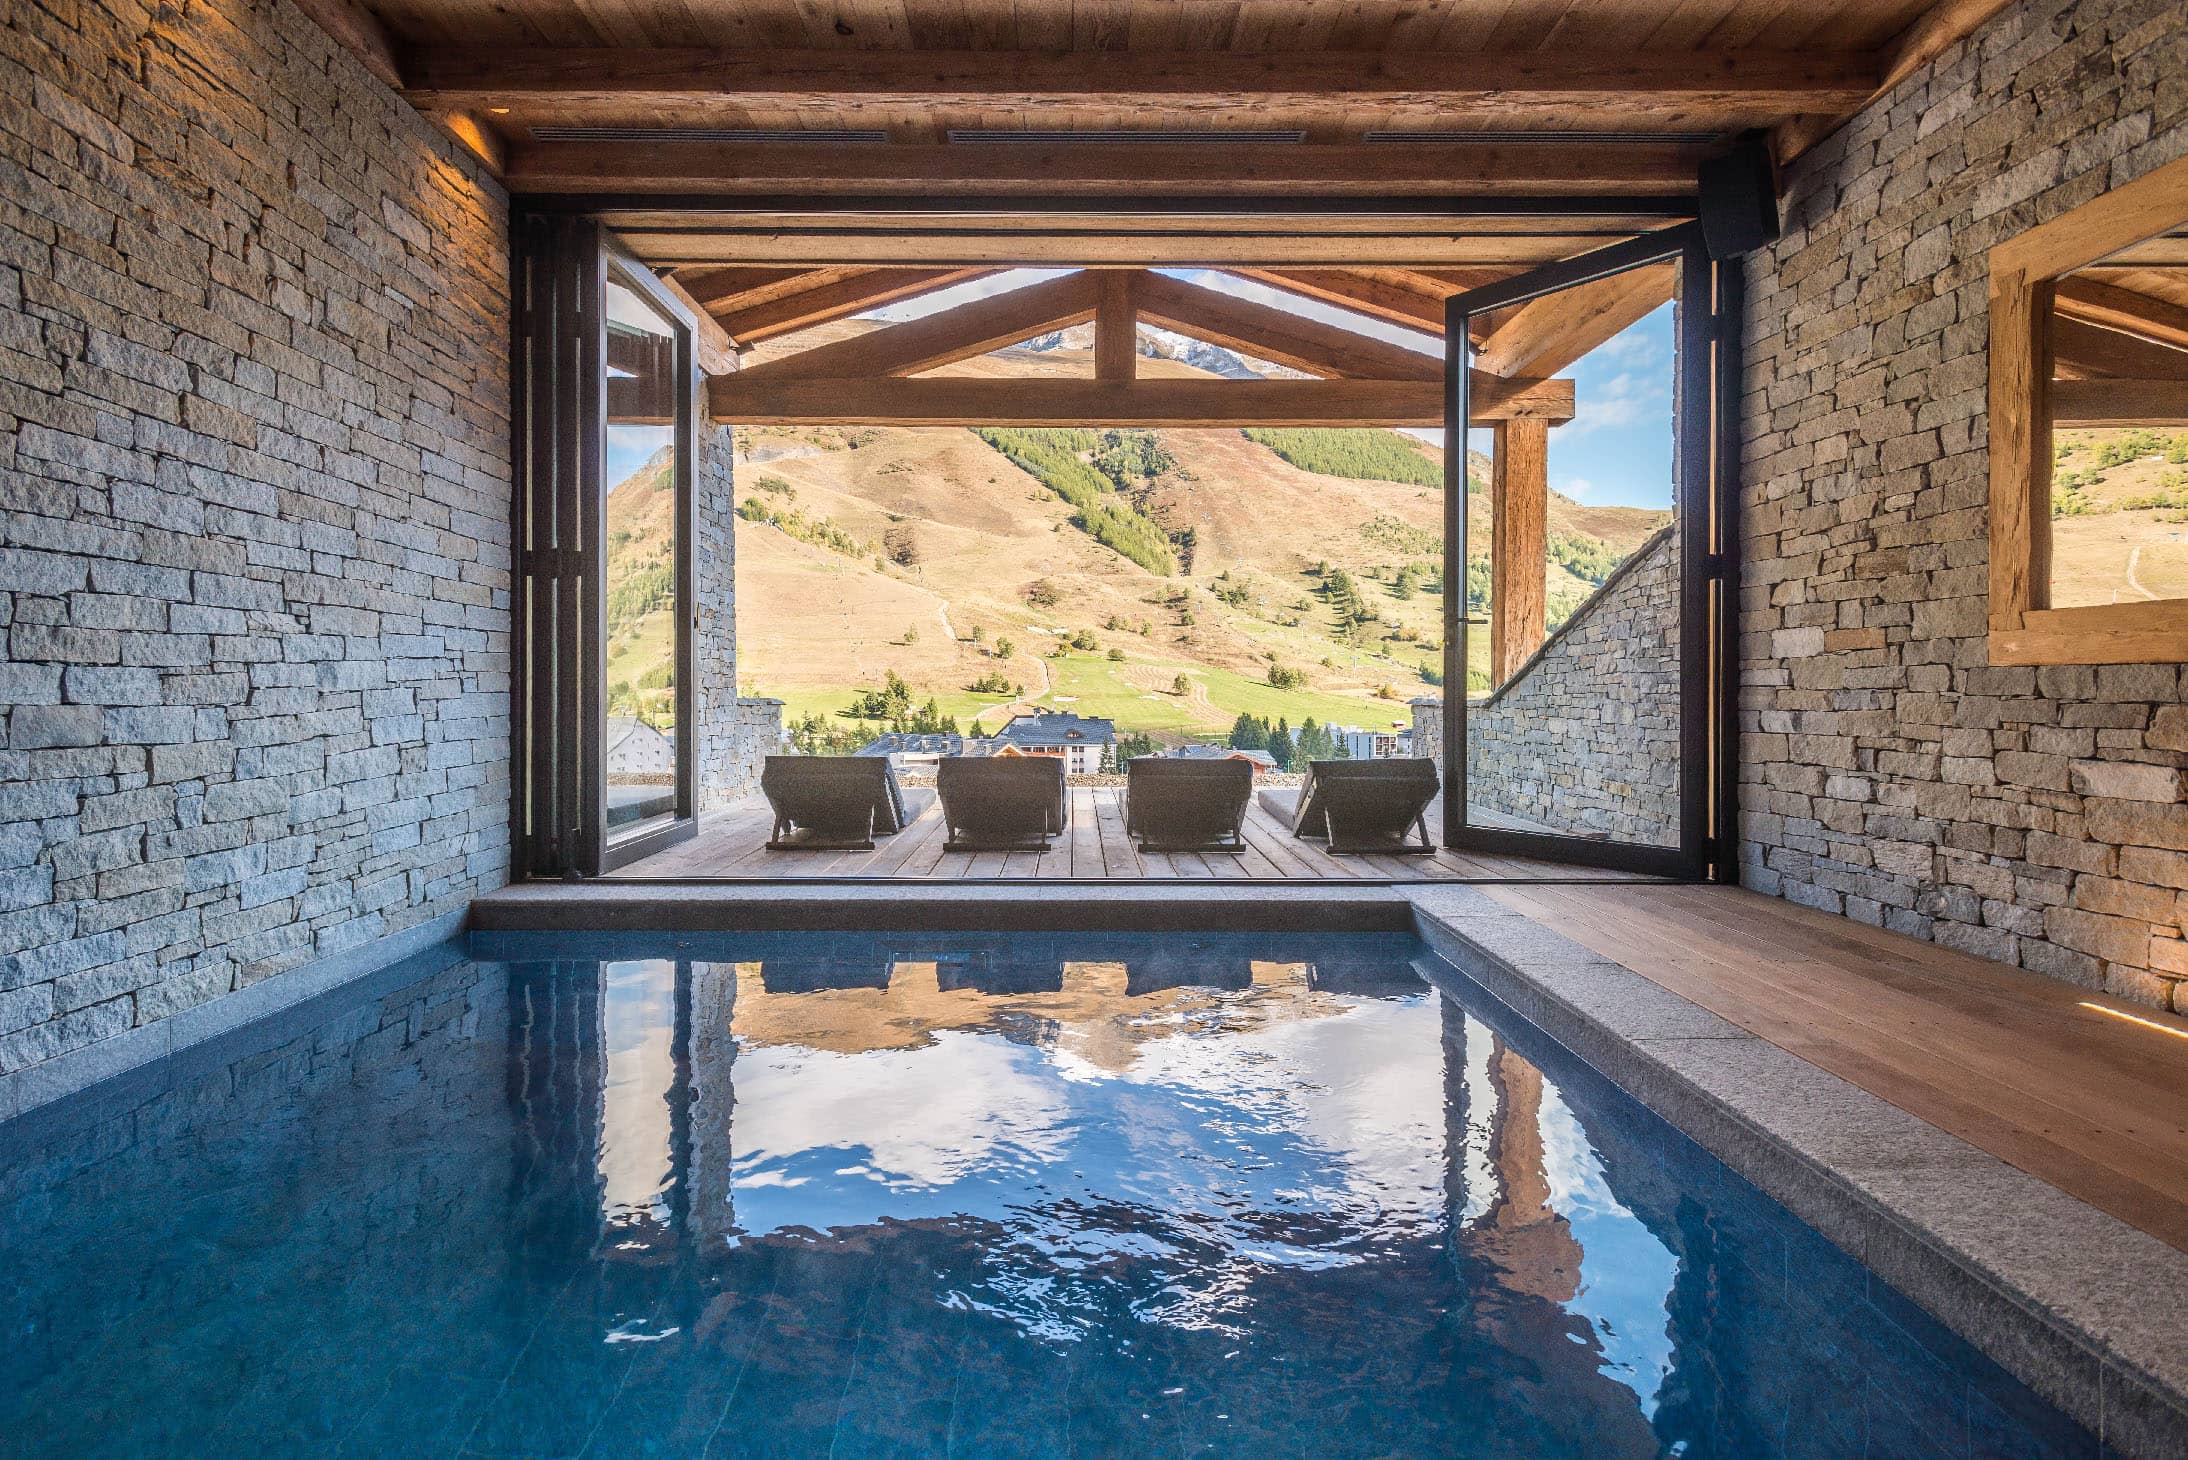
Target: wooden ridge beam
(1697, 84)
(746, 399)
(962, 333)
(1120, 170)
(1275, 334)
(1545, 335)
(845, 296)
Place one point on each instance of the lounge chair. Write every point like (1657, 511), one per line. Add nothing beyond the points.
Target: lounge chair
(1001, 803)
(835, 802)
(1367, 805)
(1175, 805)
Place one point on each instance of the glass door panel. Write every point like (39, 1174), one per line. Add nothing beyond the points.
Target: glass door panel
(1571, 704)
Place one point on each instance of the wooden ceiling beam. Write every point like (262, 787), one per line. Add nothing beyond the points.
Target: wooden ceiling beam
(1699, 85)
(1943, 25)
(357, 30)
(1359, 292)
(1127, 245)
(740, 287)
(1544, 336)
(1126, 170)
(2158, 403)
(1116, 324)
(1275, 334)
(2080, 350)
(867, 289)
(2116, 308)
(969, 330)
(745, 399)
(712, 348)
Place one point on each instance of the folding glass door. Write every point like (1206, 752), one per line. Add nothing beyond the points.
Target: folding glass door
(1586, 658)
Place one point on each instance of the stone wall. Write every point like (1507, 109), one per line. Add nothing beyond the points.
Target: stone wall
(735, 732)
(254, 498)
(2029, 815)
(1584, 739)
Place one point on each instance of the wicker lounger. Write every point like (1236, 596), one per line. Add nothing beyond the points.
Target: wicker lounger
(1175, 805)
(1001, 803)
(835, 802)
(1367, 805)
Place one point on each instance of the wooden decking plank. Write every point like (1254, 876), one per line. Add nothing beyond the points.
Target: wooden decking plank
(1980, 1050)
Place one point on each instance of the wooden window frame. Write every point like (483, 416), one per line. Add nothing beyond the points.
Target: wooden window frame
(2024, 628)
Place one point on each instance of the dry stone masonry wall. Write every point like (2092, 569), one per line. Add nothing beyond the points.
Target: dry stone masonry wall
(735, 734)
(254, 505)
(1889, 773)
(1585, 739)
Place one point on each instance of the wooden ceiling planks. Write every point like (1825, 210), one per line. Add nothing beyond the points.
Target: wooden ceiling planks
(1332, 70)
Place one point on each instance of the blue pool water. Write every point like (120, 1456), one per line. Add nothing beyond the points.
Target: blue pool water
(933, 1195)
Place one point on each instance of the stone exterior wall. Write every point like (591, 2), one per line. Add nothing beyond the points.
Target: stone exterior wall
(735, 733)
(1585, 738)
(254, 500)
(1890, 774)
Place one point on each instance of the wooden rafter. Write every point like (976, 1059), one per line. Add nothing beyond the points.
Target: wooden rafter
(839, 299)
(357, 30)
(1943, 25)
(733, 287)
(712, 347)
(956, 334)
(1698, 85)
(1545, 335)
(1109, 170)
(2116, 308)
(1351, 290)
(1275, 334)
(2080, 350)
(950, 401)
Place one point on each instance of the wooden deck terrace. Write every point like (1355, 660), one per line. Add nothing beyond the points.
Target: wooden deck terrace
(732, 843)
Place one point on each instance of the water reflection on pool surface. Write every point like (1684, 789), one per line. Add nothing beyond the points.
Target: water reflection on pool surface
(938, 1194)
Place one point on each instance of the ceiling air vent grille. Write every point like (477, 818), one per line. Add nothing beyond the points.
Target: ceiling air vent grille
(1126, 138)
(756, 135)
(1597, 139)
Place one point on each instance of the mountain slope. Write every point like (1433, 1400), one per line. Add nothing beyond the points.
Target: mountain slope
(957, 551)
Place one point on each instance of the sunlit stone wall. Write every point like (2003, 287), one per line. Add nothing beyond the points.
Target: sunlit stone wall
(254, 503)
(1584, 740)
(1890, 774)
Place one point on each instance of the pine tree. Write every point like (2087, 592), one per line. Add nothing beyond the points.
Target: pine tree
(1280, 747)
(1248, 733)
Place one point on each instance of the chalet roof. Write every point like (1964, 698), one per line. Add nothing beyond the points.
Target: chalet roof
(1260, 758)
(900, 743)
(1056, 730)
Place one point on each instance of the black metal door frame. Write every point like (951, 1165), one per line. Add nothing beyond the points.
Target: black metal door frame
(560, 268)
(1705, 474)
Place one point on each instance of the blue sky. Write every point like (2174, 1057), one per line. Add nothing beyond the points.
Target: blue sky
(1616, 452)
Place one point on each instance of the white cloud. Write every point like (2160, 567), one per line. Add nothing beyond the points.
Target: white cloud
(1577, 488)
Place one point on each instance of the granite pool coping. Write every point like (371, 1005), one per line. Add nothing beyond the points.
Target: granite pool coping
(2087, 1310)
